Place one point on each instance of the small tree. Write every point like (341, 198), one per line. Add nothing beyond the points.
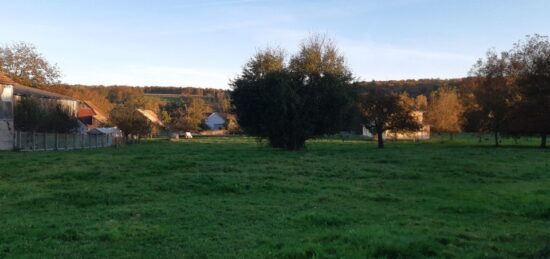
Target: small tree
(495, 92)
(187, 117)
(59, 119)
(445, 111)
(129, 120)
(28, 115)
(383, 110)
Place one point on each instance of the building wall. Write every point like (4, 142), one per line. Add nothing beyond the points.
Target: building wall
(70, 105)
(6, 117)
(215, 122)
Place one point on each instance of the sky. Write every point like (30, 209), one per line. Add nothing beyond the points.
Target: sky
(206, 43)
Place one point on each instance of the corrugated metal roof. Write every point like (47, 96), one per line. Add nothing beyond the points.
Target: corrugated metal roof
(22, 90)
(34, 92)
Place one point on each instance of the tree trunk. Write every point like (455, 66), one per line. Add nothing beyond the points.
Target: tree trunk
(496, 139)
(380, 139)
(543, 140)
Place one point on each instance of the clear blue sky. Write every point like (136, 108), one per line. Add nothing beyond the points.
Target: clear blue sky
(205, 43)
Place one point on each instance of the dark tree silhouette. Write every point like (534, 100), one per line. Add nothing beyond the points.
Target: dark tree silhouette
(291, 104)
(381, 110)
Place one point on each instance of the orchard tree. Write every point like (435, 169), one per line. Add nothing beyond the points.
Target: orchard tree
(495, 92)
(185, 117)
(531, 59)
(24, 64)
(445, 111)
(383, 110)
(129, 120)
(289, 104)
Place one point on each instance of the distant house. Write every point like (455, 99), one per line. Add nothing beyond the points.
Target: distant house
(215, 121)
(422, 134)
(219, 120)
(154, 121)
(91, 116)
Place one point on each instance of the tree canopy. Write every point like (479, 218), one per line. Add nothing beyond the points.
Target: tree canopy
(24, 64)
(291, 103)
(382, 109)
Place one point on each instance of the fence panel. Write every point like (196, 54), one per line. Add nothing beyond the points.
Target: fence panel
(33, 141)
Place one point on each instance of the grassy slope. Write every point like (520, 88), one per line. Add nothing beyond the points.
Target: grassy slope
(235, 198)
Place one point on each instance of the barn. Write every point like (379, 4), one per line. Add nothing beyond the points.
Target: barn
(11, 93)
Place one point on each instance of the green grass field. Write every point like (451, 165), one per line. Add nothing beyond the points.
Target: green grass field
(232, 197)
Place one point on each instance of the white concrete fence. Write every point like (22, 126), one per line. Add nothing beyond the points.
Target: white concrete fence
(32, 141)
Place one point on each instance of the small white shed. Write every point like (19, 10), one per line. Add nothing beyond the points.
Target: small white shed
(215, 121)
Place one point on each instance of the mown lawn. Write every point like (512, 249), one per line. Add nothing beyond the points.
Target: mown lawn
(232, 197)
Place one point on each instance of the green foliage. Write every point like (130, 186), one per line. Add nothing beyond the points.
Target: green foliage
(186, 116)
(233, 198)
(129, 120)
(381, 110)
(532, 61)
(495, 93)
(291, 104)
(38, 115)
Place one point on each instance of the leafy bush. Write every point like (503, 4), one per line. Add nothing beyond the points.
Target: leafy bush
(32, 114)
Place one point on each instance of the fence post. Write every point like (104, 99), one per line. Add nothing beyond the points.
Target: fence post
(74, 141)
(44, 141)
(32, 139)
(56, 146)
(66, 139)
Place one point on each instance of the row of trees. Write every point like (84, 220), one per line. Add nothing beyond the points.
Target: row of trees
(513, 90)
(311, 95)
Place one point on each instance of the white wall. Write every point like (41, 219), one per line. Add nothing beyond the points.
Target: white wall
(6, 117)
(6, 134)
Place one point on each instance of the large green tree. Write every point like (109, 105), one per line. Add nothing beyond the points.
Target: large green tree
(291, 103)
(495, 93)
(531, 61)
